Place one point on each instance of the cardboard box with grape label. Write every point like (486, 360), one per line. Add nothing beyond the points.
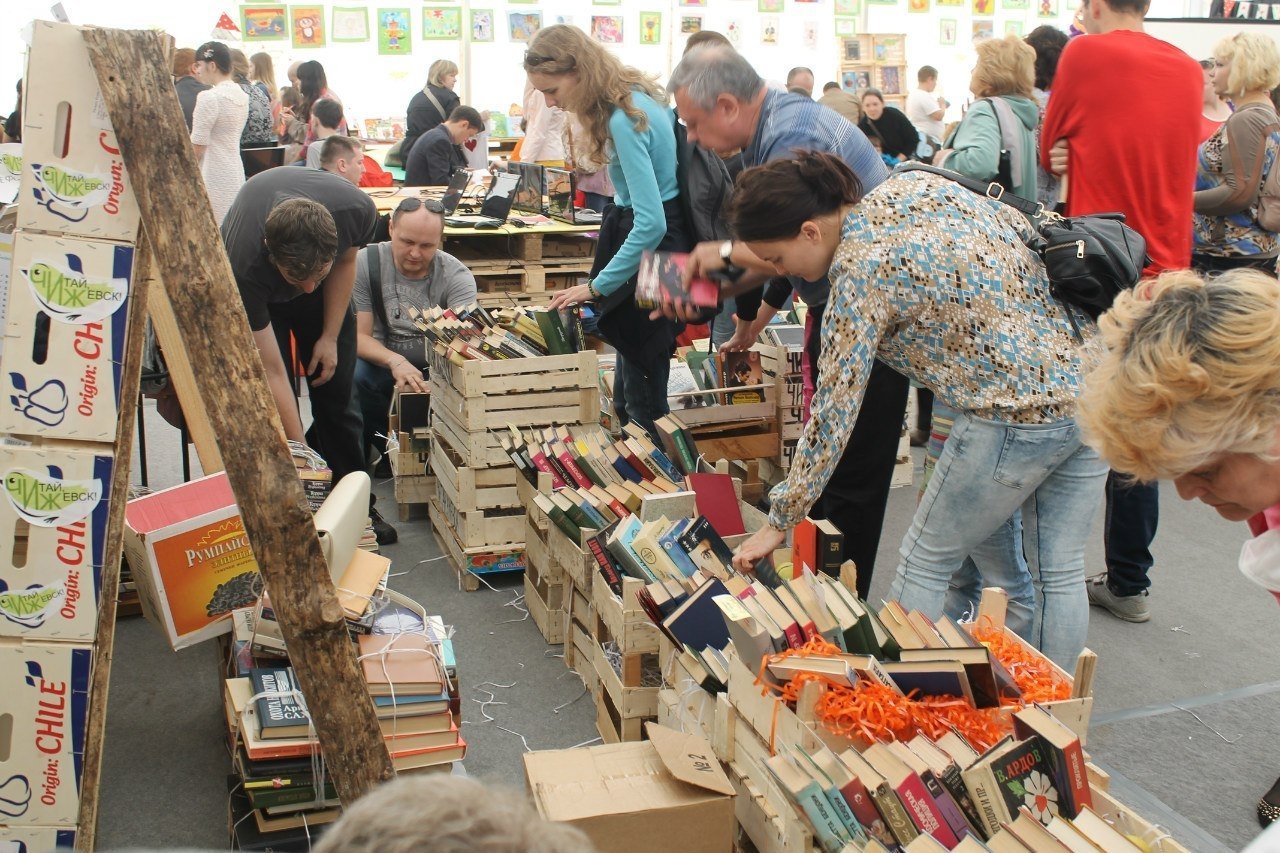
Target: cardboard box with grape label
(73, 177)
(53, 522)
(64, 337)
(46, 698)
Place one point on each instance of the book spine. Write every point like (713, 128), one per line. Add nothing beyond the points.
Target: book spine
(830, 553)
(981, 783)
(570, 466)
(924, 812)
(686, 449)
(946, 806)
(891, 809)
(1077, 778)
(853, 829)
(795, 637)
(607, 569)
(831, 833)
(566, 525)
(952, 781)
(855, 794)
(668, 468)
(540, 462)
(270, 797)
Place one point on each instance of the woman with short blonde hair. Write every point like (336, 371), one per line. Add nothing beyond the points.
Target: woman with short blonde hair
(432, 106)
(1233, 162)
(1005, 66)
(1188, 389)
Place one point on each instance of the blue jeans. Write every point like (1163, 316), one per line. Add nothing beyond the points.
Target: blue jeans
(988, 471)
(640, 393)
(1133, 511)
(374, 386)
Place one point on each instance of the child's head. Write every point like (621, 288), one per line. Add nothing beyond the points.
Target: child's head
(290, 97)
(326, 114)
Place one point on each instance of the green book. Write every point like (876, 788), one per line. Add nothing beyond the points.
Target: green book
(553, 332)
(558, 517)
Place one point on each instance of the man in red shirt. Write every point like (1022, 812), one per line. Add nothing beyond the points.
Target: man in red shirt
(1123, 124)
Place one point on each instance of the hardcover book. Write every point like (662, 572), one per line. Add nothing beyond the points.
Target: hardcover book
(739, 370)
(660, 281)
(282, 712)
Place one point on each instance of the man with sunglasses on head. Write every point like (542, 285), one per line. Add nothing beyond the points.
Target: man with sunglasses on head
(291, 236)
(395, 282)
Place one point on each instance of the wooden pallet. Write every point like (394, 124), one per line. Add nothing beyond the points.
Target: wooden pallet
(517, 277)
(535, 247)
(469, 563)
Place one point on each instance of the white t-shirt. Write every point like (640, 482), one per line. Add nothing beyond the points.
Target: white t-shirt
(920, 104)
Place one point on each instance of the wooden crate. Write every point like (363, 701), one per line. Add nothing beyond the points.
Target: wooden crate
(474, 449)
(405, 461)
(622, 620)
(489, 395)
(613, 726)
(630, 698)
(472, 488)
(580, 654)
(469, 563)
(522, 247)
(572, 558)
(413, 493)
(518, 277)
(770, 830)
(482, 528)
(545, 602)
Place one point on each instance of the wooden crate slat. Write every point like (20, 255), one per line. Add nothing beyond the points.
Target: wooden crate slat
(479, 529)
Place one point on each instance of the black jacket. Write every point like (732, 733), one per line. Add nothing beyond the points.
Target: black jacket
(422, 115)
(433, 160)
(898, 136)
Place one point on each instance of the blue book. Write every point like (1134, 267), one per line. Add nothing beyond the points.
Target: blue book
(930, 678)
(670, 542)
(697, 623)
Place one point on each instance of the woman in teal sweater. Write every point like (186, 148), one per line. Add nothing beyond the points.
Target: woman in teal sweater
(628, 127)
(1003, 80)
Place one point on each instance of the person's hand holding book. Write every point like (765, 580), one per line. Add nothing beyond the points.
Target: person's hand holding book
(762, 543)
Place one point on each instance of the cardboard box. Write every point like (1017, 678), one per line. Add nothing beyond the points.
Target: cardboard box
(46, 690)
(66, 383)
(53, 530)
(36, 838)
(617, 794)
(191, 559)
(73, 177)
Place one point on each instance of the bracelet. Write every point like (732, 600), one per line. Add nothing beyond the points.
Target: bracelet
(591, 289)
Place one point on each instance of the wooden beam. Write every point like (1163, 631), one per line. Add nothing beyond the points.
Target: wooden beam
(104, 643)
(138, 91)
(183, 378)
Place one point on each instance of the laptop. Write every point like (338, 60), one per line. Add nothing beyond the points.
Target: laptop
(562, 189)
(257, 160)
(496, 206)
(533, 186)
(454, 192)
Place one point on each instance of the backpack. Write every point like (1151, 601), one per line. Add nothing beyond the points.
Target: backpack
(705, 188)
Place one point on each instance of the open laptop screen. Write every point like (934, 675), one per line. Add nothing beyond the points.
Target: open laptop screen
(533, 183)
(560, 192)
(453, 193)
(497, 204)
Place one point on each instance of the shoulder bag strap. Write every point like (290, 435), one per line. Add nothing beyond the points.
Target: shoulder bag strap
(991, 190)
(374, 256)
(435, 102)
(1007, 122)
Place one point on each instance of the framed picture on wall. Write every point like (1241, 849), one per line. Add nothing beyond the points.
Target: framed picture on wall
(1013, 28)
(1015, 4)
(950, 2)
(1047, 8)
(607, 29)
(690, 24)
(349, 23)
(264, 23)
(650, 27)
(848, 7)
(983, 30)
(441, 23)
(393, 32)
(307, 23)
(482, 25)
(888, 49)
(522, 26)
(809, 35)
(606, 2)
(983, 8)
(947, 32)
(918, 6)
(846, 27)
(693, 2)
(768, 6)
(768, 29)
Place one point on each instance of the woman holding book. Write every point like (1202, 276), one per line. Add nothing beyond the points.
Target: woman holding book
(626, 125)
(1188, 390)
(937, 282)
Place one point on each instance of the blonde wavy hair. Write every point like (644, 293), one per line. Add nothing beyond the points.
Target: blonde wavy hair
(1190, 370)
(603, 84)
(1255, 63)
(439, 70)
(1005, 66)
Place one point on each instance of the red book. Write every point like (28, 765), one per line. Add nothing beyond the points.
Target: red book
(855, 794)
(566, 459)
(804, 547)
(909, 787)
(634, 461)
(540, 462)
(716, 499)
(1065, 756)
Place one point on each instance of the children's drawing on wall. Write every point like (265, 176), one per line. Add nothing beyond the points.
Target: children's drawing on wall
(1048, 8)
(607, 29)
(523, 25)
(308, 26)
(983, 30)
(482, 25)
(733, 31)
(768, 29)
(441, 23)
(393, 32)
(351, 24)
(263, 23)
(947, 32)
(769, 6)
(918, 6)
(809, 34)
(650, 27)
(690, 24)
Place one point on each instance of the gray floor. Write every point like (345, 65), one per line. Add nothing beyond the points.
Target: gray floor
(1204, 650)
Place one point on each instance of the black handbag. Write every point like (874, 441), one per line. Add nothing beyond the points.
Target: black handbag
(1088, 259)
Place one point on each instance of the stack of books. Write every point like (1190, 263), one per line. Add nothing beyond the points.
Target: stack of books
(475, 333)
(703, 378)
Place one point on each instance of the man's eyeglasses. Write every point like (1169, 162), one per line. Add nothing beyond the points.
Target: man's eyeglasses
(409, 205)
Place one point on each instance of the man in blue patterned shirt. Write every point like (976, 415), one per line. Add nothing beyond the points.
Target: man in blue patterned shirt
(726, 107)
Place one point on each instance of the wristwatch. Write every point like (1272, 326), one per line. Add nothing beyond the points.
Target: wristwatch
(726, 252)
